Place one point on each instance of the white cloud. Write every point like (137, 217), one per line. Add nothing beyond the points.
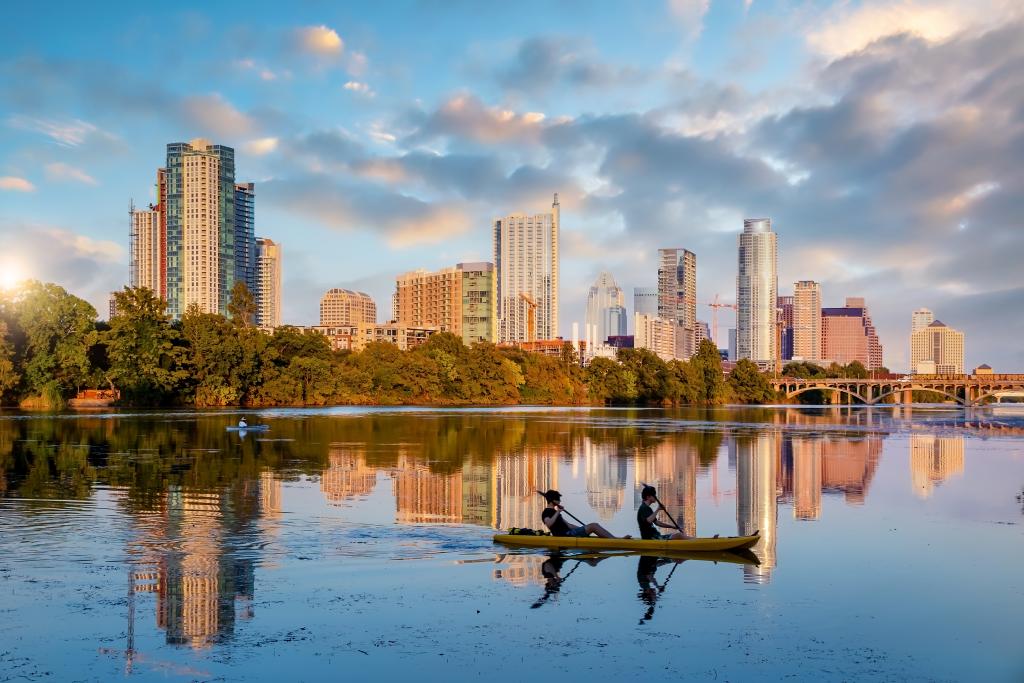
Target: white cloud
(261, 146)
(61, 171)
(15, 184)
(321, 40)
(361, 88)
(101, 250)
(690, 15)
(215, 114)
(845, 29)
(357, 63)
(71, 133)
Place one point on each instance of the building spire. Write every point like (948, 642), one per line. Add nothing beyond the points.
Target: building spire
(555, 203)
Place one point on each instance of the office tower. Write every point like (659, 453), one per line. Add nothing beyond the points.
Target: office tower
(848, 335)
(937, 349)
(732, 344)
(343, 307)
(267, 282)
(703, 332)
(784, 308)
(677, 296)
(920, 319)
(245, 235)
(756, 292)
(459, 300)
(526, 261)
(656, 335)
(144, 249)
(200, 179)
(806, 320)
(606, 311)
(645, 301)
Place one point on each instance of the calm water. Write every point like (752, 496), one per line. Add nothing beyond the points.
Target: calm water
(352, 542)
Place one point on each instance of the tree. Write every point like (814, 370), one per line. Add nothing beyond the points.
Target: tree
(855, 370)
(143, 349)
(58, 329)
(712, 390)
(749, 384)
(609, 381)
(242, 307)
(9, 377)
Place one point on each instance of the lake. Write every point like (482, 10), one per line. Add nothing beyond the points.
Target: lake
(351, 542)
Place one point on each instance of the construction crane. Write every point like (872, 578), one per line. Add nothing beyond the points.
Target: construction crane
(531, 316)
(715, 305)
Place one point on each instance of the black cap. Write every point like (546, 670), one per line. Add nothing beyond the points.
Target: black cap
(648, 491)
(552, 496)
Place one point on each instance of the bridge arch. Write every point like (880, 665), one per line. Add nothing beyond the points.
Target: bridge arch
(825, 387)
(900, 390)
(995, 392)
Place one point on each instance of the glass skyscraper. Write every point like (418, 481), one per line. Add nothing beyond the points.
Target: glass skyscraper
(757, 292)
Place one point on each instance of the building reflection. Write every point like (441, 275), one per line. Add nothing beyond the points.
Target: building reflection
(933, 459)
(518, 477)
(346, 476)
(422, 496)
(606, 474)
(757, 494)
(671, 467)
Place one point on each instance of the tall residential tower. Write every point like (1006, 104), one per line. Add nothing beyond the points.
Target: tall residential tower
(757, 292)
(807, 320)
(526, 262)
(267, 283)
(677, 296)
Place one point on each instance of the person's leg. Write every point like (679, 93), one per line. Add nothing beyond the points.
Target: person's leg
(598, 530)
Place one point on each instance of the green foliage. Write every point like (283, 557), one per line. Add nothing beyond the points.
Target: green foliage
(712, 389)
(143, 350)
(749, 384)
(58, 332)
(50, 345)
(242, 307)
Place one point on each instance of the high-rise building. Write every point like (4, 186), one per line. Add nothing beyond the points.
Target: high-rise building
(479, 302)
(784, 307)
(645, 301)
(656, 335)
(606, 311)
(677, 296)
(343, 307)
(267, 282)
(756, 292)
(526, 262)
(937, 349)
(459, 300)
(200, 226)
(920, 319)
(806, 322)
(245, 235)
(144, 249)
(847, 335)
(702, 332)
(732, 344)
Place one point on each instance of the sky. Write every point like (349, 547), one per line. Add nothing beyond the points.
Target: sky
(884, 138)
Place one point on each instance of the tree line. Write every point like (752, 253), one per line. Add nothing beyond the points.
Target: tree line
(51, 347)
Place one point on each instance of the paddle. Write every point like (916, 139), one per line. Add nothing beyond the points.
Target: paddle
(662, 506)
(566, 511)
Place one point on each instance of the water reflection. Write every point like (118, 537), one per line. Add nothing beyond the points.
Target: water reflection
(201, 505)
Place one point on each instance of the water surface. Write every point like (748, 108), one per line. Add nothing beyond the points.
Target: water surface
(357, 542)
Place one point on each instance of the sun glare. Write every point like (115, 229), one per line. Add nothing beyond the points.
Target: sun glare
(10, 276)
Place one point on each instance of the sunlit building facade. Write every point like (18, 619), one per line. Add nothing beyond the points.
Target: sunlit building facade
(655, 334)
(847, 335)
(937, 349)
(267, 283)
(757, 292)
(606, 310)
(145, 250)
(340, 307)
(459, 300)
(677, 296)
(525, 250)
(806, 323)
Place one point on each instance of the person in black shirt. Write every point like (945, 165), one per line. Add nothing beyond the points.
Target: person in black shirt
(647, 519)
(553, 520)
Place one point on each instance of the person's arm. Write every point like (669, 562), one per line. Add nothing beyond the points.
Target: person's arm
(550, 521)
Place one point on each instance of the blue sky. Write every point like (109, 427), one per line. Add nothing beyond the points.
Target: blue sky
(883, 137)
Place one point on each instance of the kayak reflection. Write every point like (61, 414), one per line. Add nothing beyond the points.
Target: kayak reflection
(553, 570)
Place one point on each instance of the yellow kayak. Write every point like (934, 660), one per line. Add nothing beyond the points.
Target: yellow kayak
(687, 545)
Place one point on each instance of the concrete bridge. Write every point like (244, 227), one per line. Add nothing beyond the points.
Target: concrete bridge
(967, 390)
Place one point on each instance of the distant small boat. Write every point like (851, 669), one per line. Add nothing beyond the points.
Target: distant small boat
(249, 428)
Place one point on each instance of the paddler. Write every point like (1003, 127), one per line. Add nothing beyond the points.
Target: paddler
(553, 520)
(647, 518)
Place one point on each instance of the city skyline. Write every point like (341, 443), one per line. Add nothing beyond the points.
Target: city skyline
(390, 155)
